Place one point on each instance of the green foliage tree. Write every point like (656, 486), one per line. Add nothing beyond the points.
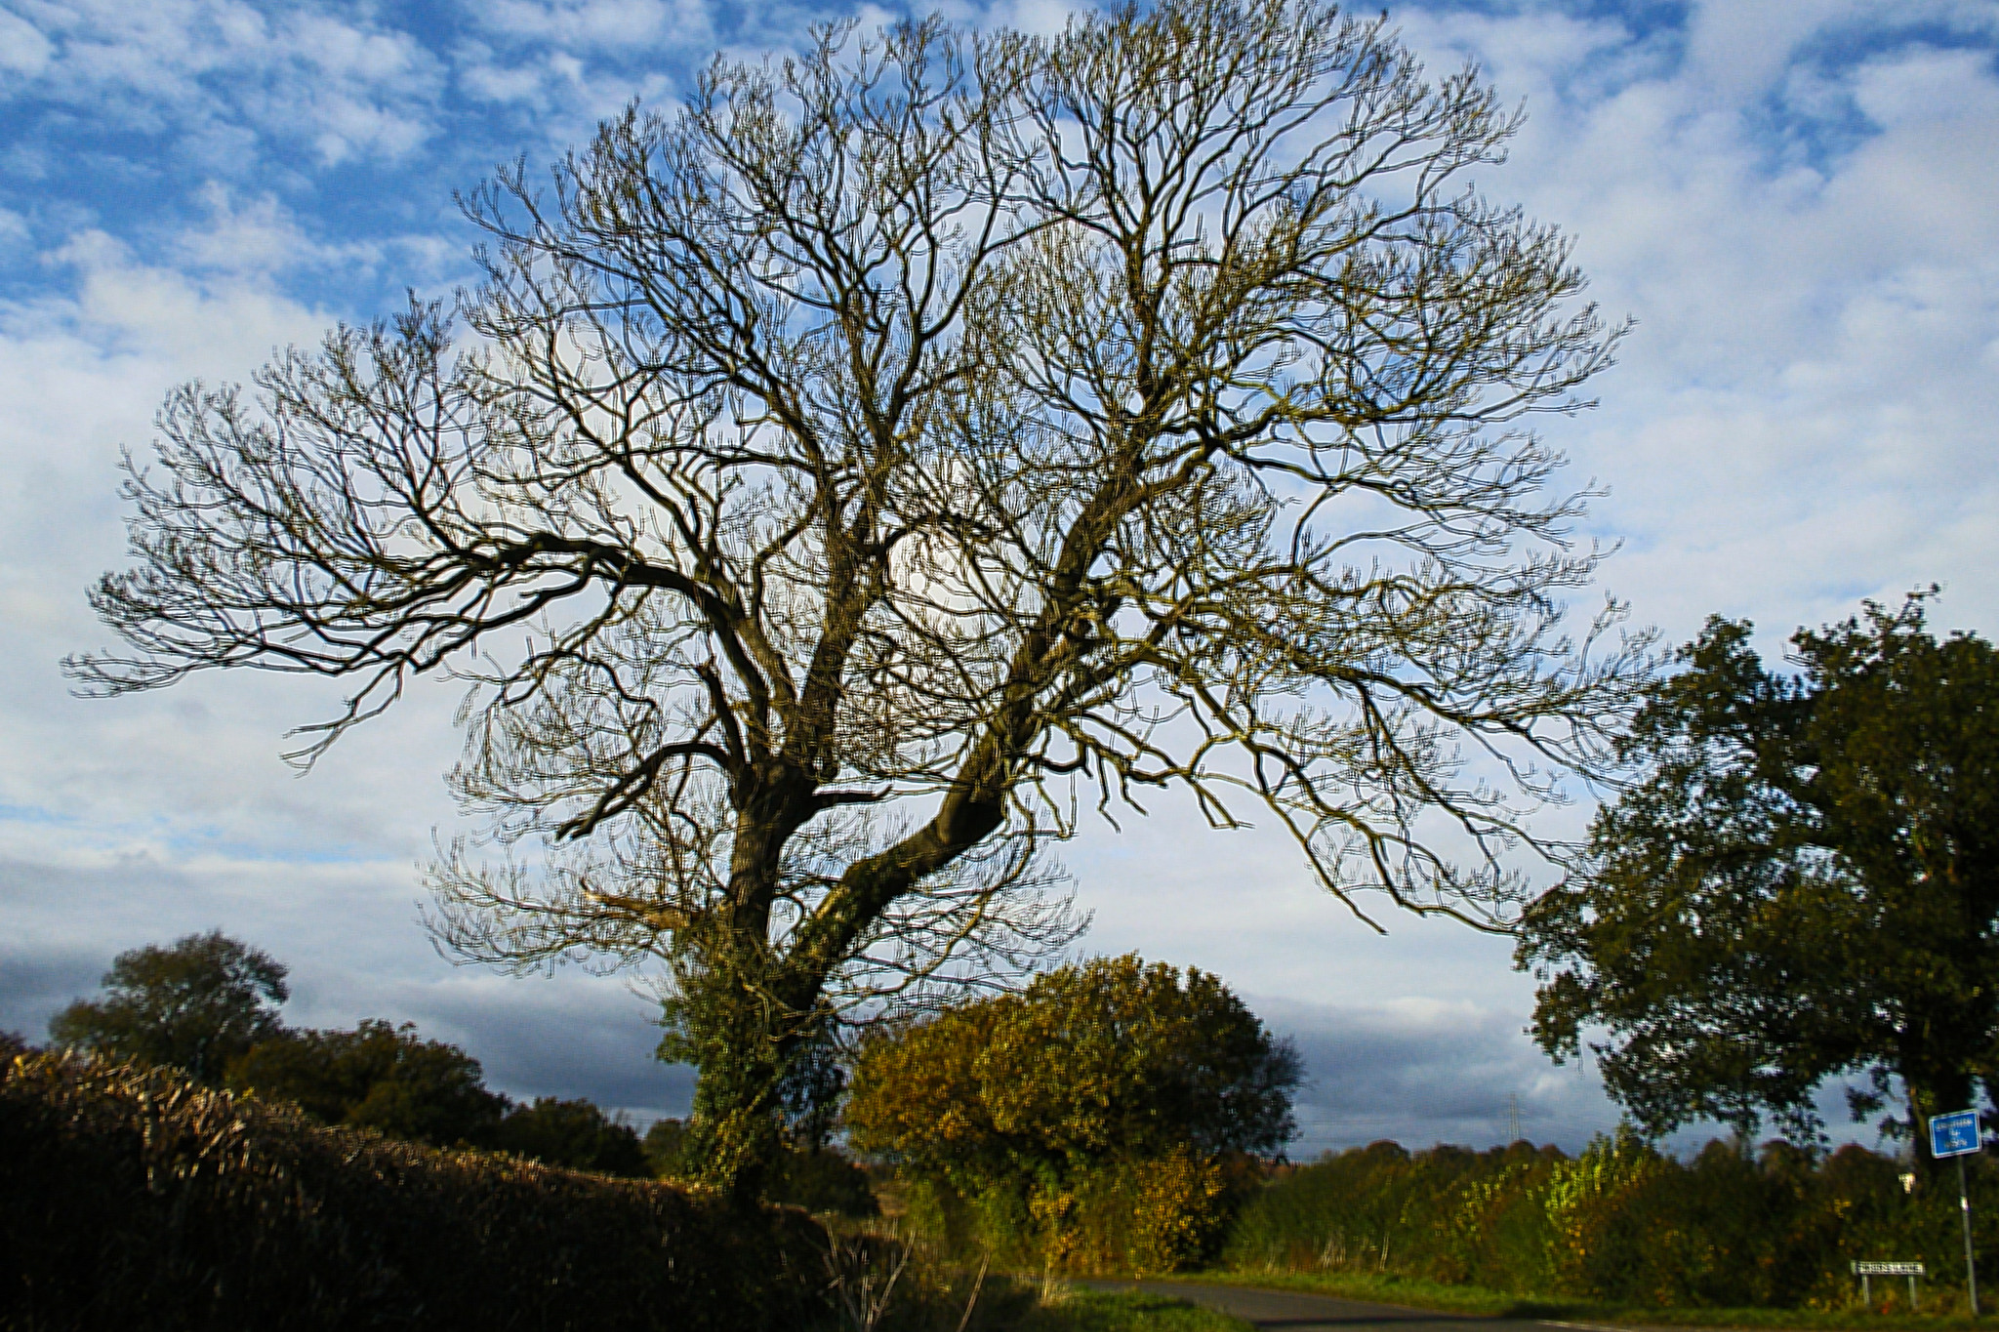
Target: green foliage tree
(665, 1147)
(1804, 884)
(1034, 1097)
(198, 1004)
(812, 1175)
(851, 462)
(574, 1133)
(378, 1076)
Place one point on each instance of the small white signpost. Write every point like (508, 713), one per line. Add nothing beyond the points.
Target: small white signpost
(1956, 1135)
(1867, 1271)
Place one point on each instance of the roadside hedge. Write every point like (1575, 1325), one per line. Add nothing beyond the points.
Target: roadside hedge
(1621, 1223)
(130, 1197)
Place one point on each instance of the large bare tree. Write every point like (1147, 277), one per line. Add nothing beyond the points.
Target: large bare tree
(892, 448)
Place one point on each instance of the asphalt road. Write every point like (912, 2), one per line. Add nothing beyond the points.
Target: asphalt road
(1266, 1308)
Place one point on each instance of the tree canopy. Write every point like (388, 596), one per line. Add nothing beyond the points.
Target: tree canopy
(198, 1003)
(1107, 1087)
(572, 1132)
(377, 1076)
(1803, 884)
(856, 469)
(386, 1077)
(1111, 1058)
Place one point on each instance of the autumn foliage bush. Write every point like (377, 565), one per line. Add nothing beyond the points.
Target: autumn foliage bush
(133, 1197)
(1620, 1223)
(1099, 1121)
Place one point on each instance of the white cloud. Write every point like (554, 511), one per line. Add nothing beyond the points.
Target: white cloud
(347, 87)
(23, 50)
(83, 373)
(598, 24)
(1801, 417)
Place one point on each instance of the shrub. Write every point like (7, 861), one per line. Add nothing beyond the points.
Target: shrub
(1088, 1124)
(132, 1197)
(822, 1180)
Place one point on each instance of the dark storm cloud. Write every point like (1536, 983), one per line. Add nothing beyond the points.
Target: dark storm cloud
(350, 936)
(1424, 1073)
(538, 1037)
(36, 983)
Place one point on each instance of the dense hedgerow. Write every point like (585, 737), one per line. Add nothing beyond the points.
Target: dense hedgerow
(1619, 1223)
(132, 1197)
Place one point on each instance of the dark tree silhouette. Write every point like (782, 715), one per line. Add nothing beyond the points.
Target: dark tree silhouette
(198, 1003)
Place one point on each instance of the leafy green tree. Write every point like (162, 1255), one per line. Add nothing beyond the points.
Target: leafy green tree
(823, 1180)
(1803, 885)
(574, 1133)
(665, 1147)
(809, 1174)
(1042, 1095)
(198, 1003)
(378, 1076)
(846, 465)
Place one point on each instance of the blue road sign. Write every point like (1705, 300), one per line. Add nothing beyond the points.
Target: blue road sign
(1954, 1135)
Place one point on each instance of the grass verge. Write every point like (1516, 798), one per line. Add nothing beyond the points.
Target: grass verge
(1125, 1310)
(927, 1293)
(1485, 1303)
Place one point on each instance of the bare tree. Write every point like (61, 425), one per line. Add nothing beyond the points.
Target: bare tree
(899, 442)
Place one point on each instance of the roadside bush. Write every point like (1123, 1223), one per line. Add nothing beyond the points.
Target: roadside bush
(131, 1197)
(1094, 1122)
(822, 1180)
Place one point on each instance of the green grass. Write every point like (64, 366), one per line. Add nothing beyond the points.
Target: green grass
(1125, 1310)
(1484, 1302)
(934, 1295)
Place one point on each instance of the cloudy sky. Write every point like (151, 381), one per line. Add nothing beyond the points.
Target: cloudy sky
(1798, 202)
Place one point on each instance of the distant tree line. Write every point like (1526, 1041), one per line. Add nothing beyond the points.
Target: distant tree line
(207, 1004)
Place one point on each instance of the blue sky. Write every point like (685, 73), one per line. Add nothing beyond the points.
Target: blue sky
(1798, 202)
